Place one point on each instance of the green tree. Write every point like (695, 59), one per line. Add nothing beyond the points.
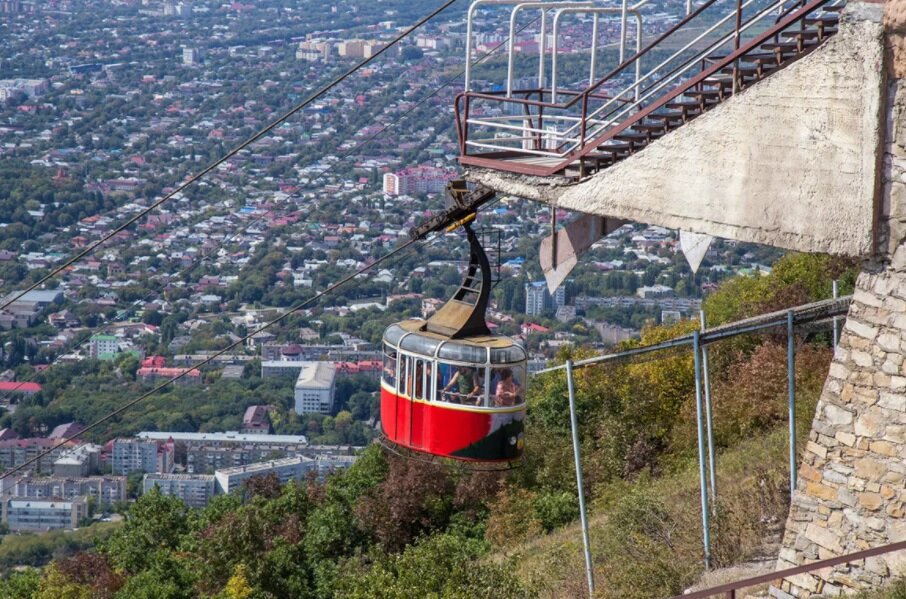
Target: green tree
(153, 525)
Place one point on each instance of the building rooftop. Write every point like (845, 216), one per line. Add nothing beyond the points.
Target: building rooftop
(46, 504)
(229, 436)
(264, 466)
(160, 476)
(317, 375)
(10, 386)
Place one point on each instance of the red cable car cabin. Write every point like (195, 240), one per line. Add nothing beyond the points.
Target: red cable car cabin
(449, 387)
(462, 398)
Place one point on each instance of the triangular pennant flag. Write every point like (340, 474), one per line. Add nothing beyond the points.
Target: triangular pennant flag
(694, 246)
(571, 241)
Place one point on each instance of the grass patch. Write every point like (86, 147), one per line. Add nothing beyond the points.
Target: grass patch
(646, 534)
(37, 549)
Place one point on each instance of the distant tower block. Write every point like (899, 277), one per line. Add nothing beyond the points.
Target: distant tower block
(191, 56)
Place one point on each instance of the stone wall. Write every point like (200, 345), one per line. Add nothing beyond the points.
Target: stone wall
(852, 480)
(851, 493)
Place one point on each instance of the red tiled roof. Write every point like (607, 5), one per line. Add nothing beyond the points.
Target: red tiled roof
(19, 387)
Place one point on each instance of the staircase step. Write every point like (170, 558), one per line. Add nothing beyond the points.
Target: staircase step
(653, 128)
(631, 136)
(744, 70)
(705, 93)
(781, 47)
(823, 20)
(614, 148)
(685, 104)
(668, 116)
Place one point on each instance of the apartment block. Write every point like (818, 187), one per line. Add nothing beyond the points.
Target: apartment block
(35, 515)
(195, 490)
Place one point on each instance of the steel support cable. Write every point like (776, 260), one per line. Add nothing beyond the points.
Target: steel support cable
(222, 243)
(389, 255)
(249, 141)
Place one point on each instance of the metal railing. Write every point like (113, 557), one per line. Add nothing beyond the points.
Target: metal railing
(531, 122)
(729, 590)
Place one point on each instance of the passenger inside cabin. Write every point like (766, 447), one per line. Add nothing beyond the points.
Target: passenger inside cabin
(476, 395)
(390, 368)
(508, 390)
(462, 384)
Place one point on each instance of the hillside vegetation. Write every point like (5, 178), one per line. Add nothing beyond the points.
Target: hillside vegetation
(391, 528)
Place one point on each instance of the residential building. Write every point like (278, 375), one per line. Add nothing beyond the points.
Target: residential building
(107, 489)
(191, 56)
(294, 468)
(195, 490)
(142, 455)
(654, 292)
(315, 388)
(79, 462)
(67, 430)
(418, 179)
(16, 452)
(256, 420)
(271, 369)
(13, 390)
(190, 377)
(207, 452)
(539, 301)
(313, 50)
(103, 347)
(27, 514)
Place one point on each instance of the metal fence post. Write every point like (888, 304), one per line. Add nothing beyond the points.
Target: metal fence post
(573, 422)
(836, 294)
(709, 422)
(706, 526)
(791, 388)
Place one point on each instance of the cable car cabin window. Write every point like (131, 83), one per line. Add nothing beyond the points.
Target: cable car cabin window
(405, 383)
(419, 344)
(389, 372)
(424, 376)
(507, 386)
(460, 384)
(463, 353)
(508, 355)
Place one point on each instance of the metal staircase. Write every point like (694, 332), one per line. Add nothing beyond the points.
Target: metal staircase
(717, 50)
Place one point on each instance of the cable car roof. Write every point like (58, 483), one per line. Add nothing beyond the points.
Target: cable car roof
(407, 336)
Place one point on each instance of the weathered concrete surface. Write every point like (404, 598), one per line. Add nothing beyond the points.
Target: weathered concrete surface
(791, 162)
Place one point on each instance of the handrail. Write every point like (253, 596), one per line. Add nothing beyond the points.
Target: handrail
(582, 97)
(730, 588)
(606, 112)
(616, 70)
(704, 74)
(603, 115)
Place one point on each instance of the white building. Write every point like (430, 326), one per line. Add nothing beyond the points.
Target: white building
(130, 455)
(103, 346)
(230, 479)
(195, 490)
(43, 514)
(107, 489)
(271, 369)
(191, 56)
(538, 300)
(315, 388)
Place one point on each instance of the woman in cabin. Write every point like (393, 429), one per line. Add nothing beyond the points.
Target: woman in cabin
(507, 390)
